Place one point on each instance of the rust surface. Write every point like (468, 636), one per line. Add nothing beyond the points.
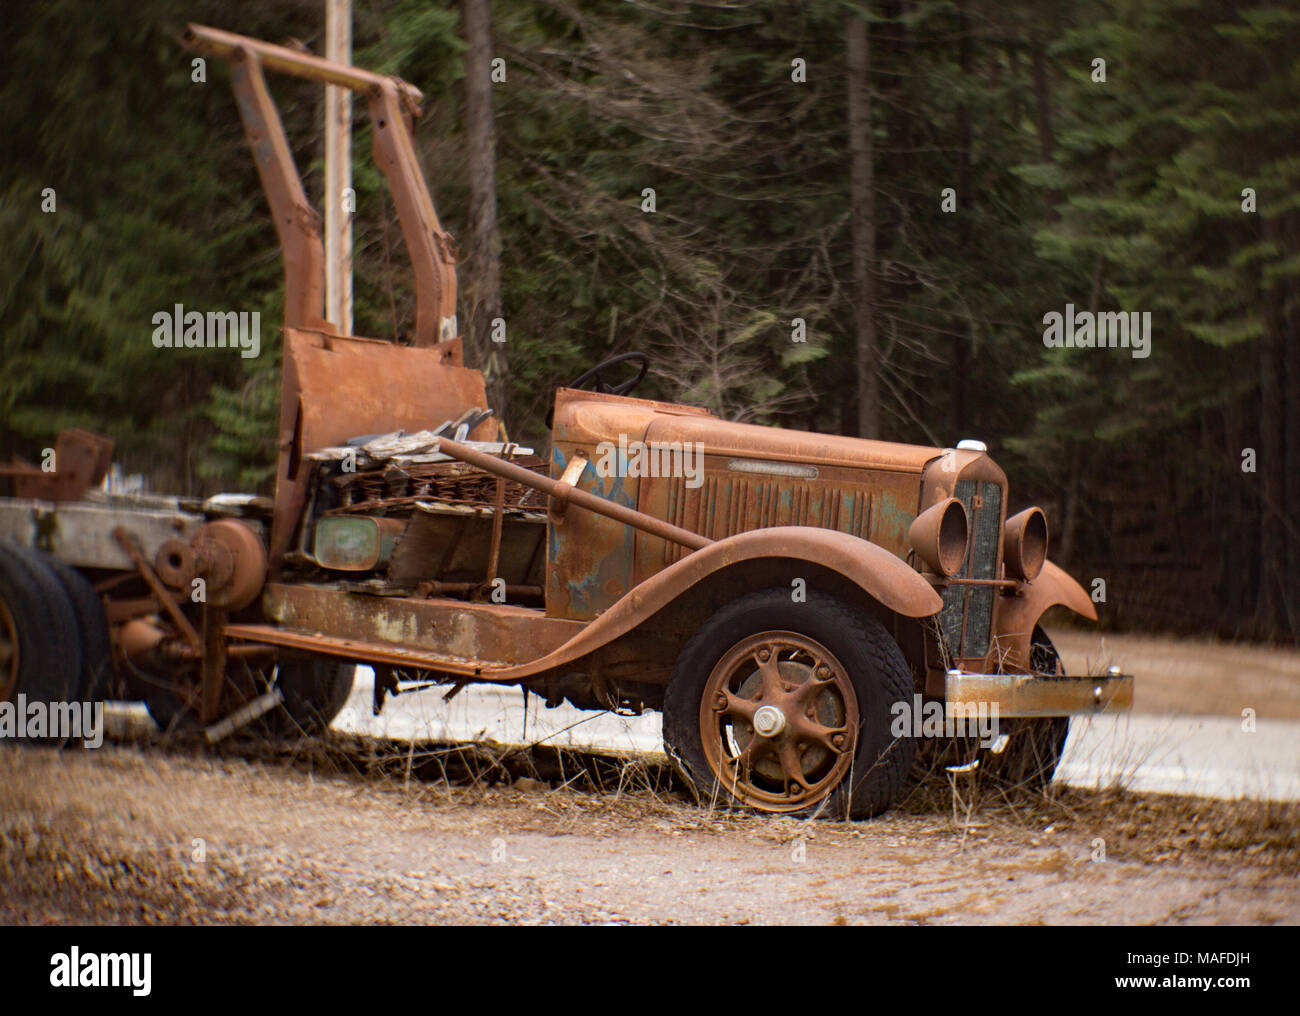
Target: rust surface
(476, 635)
(161, 593)
(226, 45)
(1031, 695)
(338, 387)
(393, 106)
(297, 223)
(1017, 614)
(779, 721)
(877, 571)
(618, 545)
(752, 478)
(81, 461)
(351, 395)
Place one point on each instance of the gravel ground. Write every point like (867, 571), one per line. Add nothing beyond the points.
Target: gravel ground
(128, 835)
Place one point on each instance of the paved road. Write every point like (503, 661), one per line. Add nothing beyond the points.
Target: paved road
(1210, 756)
(1170, 744)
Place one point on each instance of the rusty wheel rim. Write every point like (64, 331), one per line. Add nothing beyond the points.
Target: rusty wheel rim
(8, 653)
(779, 721)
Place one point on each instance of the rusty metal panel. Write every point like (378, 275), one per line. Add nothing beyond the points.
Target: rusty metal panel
(752, 441)
(496, 642)
(759, 477)
(877, 506)
(1030, 695)
(753, 478)
(1015, 616)
(450, 543)
(873, 568)
(589, 557)
(474, 634)
(338, 387)
(81, 461)
(81, 533)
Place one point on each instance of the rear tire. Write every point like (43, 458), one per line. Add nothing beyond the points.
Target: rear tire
(827, 676)
(96, 653)
(38, 633)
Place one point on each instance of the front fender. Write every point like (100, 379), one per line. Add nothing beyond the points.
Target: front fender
(1017, 615)
(875, 570)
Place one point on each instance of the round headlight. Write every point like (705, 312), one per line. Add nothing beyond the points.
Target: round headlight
(939, 535)
(1024, 544)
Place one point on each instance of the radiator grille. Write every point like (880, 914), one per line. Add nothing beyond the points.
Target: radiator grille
(967, 616)
(731, 504)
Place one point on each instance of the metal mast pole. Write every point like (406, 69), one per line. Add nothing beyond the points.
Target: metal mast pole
(339, 199)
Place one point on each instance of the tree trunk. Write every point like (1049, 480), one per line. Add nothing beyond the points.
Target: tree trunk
(481, 282)
(862, 204)
(1291, 441)
(1043, 97)
(1269, 466)
(964, 353)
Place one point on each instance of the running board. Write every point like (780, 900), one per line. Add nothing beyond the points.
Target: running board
(384, 654)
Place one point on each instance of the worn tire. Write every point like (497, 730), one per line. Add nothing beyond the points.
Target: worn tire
(1035, 745)
(44, 625)
(875, 666)
(314, 689)
(1031, 754)
(96, 652)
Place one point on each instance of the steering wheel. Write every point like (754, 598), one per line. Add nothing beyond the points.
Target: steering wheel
(596, 374)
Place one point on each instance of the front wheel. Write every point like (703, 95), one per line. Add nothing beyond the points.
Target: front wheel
(1028, 754)
(785, 707)
(1034, 746)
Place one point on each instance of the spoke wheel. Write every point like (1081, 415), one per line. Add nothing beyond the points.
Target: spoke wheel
(784, 707)
(778, 721)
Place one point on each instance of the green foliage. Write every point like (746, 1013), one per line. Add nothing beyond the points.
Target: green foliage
(1123, 195)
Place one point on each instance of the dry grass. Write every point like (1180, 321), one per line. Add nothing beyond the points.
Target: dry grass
(578, 786)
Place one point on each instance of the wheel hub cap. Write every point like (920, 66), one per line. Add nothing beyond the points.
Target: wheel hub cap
(769, 721)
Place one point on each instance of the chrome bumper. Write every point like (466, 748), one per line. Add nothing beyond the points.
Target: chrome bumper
(1032, 695)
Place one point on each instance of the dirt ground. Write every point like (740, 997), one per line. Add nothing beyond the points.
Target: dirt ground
(347, 830)
(127, 835)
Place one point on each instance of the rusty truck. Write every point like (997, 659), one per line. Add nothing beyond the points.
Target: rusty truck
(779, 601)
